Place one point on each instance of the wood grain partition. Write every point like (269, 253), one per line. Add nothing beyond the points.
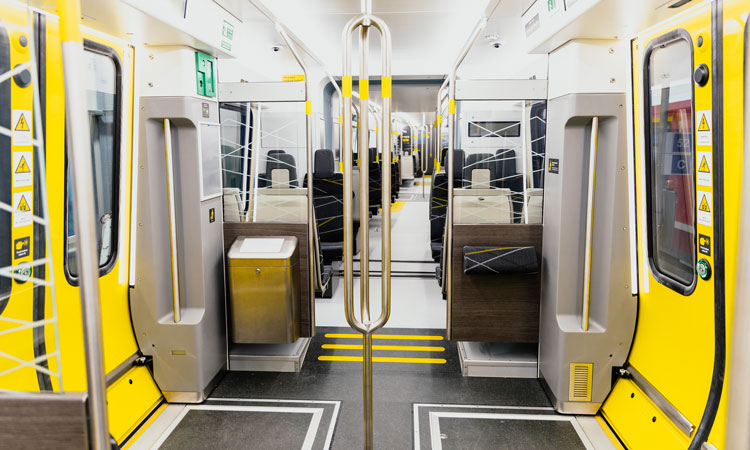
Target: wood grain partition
(44, 421)
(495, 308)
(232, 230)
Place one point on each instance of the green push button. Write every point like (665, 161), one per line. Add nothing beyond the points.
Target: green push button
(704, 269)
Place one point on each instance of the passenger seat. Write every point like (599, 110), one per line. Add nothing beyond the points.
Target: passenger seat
(439, 201)
(328, 199)
(376, 186)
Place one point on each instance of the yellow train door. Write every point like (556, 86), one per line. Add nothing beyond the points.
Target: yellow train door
(27, 361)
(687, 212)
(41, 343)
(131, 392)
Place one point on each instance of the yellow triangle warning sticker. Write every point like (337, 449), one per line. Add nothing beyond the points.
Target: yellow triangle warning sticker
(704, 124)
(704, 205)
(23, 166)
(21, 125)
(23, 205)
(704, 166)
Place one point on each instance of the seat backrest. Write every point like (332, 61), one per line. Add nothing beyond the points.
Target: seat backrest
(329, 217)
(483, 206)
(281, 205)
(407, 167)
(438, 202)
(232, 205)
(324, 164)
(480, 170)
(534, 208)
(281, 170)
(538, 131)
(505, 169)
(459, 160)
(325, 179)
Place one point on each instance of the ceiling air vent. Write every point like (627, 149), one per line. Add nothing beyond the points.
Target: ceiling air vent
(580, 382)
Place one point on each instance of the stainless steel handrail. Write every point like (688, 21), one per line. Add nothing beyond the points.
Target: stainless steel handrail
(79, 152)
(366, 326)
(589, 222)
(172, 221)
(447, 248)
(316, 271)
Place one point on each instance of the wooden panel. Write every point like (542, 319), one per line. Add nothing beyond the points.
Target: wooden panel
(234, 229)
(495, 308)
(43, 421)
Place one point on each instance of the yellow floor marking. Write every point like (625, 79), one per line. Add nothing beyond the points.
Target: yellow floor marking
(385, 336)
(384, 359)
(397, 206)
(144, 426)
(397, 348)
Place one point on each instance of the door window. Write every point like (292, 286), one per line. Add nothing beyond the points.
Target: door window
(103, 93)
(671, 162)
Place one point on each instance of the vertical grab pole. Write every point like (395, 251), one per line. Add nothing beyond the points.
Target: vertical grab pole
(172, 222)
(447, 251)
(366, 327)
(364, 170)
(316, 279)
(77, 124)
(589, 224)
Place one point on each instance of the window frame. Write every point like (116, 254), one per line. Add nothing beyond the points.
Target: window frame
(679, 34)
(109, 52)
(493, 134)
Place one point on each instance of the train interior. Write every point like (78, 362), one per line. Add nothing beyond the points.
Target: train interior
(325, 224)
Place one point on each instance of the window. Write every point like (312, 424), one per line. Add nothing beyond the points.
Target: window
(670, 156)
(103, 94)
(494, 129)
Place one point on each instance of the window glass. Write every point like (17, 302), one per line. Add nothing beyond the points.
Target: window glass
(102, 99)
(234, 130)
(494, 129)
(501, 148)
(672, 161)
(210, 161)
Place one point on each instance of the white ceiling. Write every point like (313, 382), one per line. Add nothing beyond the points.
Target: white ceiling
(427, 34)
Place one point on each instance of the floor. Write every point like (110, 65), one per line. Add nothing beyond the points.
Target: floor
(421, 398)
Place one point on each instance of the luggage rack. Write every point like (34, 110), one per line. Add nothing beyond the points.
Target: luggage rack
(498, 359)
(268, 357)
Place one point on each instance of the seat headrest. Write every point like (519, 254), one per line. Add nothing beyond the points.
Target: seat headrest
(479, 160)
(324, 166)
(373, 154)
(459, 159)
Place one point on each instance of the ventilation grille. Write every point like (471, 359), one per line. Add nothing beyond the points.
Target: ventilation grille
(580, 382)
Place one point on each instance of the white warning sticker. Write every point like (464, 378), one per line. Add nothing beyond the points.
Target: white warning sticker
(705, 164)
(23, 209)
(21, 127)
(705, 208)
(23, 170)
(703, 128)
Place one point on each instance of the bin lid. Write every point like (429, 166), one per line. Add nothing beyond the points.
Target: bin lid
(265, 251)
